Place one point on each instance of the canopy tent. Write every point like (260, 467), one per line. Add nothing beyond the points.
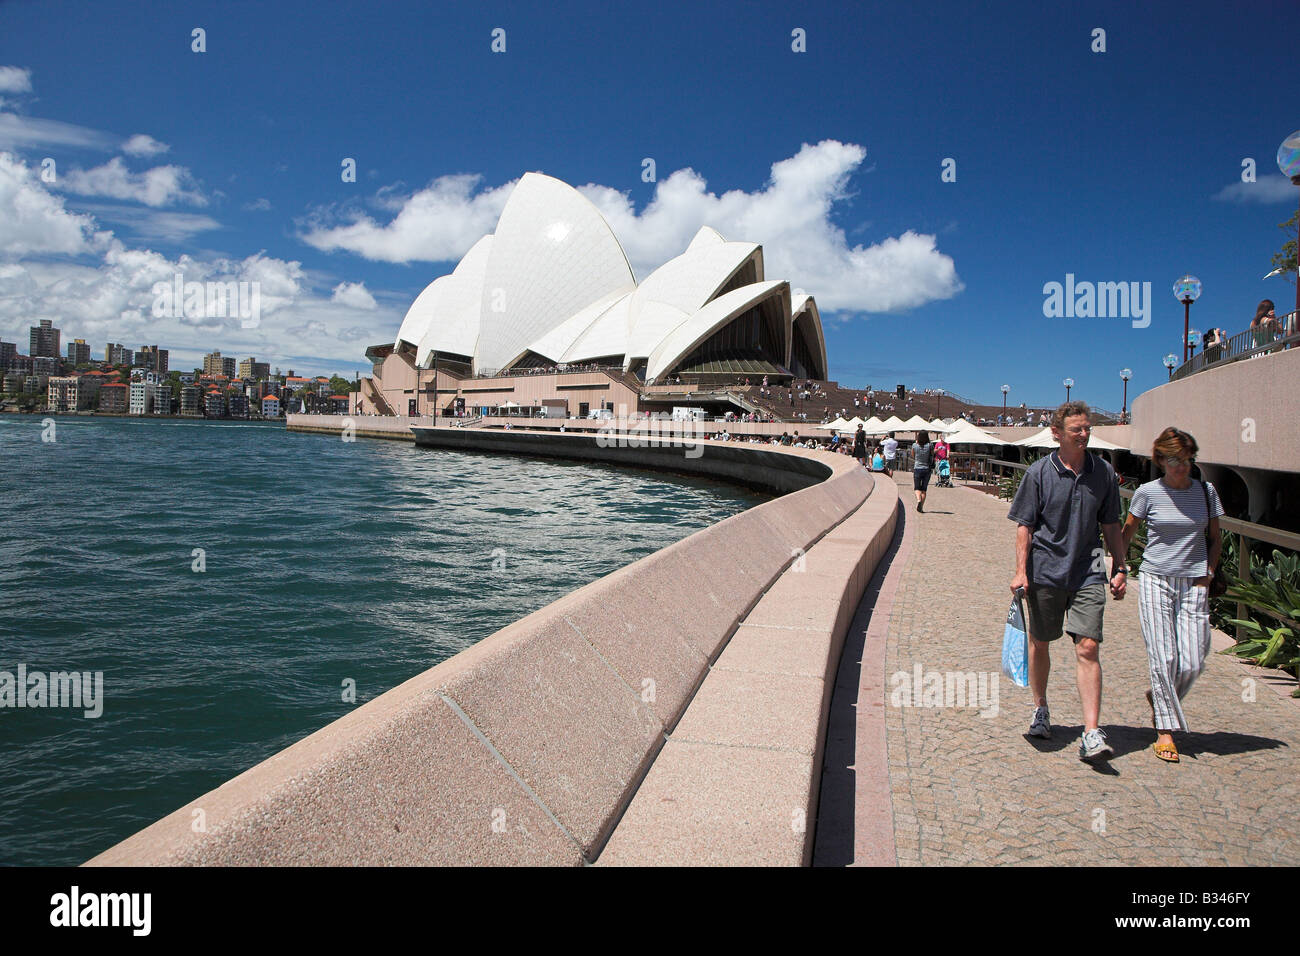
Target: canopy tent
(891, 424)
(839, 425)
(1044, 439)
(915, 424)
(855, 421)
(872, 422)
(968, 434)
(939, 425)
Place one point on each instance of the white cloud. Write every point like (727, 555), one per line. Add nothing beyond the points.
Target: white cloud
(32, 221)
(160, 186)
(791, 216)
(141, 144)
(437, 224)
(108, 294)
(1266, 189)
(354, 295)
(18, 132)
(15, 79)
(261, 204)
(154, 224)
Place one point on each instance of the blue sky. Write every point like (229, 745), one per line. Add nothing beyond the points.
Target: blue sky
(1115, 166)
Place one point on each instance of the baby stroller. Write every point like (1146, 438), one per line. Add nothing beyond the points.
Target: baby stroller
(945, 474)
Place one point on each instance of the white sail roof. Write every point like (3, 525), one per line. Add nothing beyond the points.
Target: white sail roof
(681, 287)
(454, 323)
(698, 327)
(552, 255)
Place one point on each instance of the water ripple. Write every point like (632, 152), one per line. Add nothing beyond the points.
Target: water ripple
(230, 579)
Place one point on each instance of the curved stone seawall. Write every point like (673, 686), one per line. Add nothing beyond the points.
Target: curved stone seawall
(528, 747)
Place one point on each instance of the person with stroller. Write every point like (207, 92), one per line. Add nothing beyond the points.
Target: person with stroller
(941, 467)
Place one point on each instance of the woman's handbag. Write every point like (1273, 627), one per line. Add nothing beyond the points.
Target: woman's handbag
(1219, 581)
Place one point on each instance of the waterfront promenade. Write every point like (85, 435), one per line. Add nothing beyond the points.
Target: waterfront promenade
(960, 788)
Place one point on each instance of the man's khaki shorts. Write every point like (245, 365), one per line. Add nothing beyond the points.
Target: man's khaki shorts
(1053, 610)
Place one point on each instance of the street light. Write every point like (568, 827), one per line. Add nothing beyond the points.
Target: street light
(939, 410)
(1193, 340)
(1288, 161)
(1125, 374)
(1069, 384)
(1170, 361)
(1187, 290)
(1005, 389)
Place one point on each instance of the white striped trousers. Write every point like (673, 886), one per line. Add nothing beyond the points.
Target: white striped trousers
(1176, 630)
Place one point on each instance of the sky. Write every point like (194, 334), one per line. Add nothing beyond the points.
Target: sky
(925, 171)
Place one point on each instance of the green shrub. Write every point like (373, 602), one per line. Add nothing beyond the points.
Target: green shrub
(1273, 626)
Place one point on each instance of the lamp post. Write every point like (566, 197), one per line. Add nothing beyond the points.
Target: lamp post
(1187, 290)
(1193, 340)
(1005, 389)
(1170, 361)
(939, 409)
(1288, 161)
(1069, 384)
(1125, 374)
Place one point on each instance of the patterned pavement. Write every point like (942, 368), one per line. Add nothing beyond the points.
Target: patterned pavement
(968, 787)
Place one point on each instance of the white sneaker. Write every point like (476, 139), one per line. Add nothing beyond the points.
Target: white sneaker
(1041, 725)
(1093, 746)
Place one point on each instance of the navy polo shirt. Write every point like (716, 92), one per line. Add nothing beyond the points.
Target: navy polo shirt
(1065, 511)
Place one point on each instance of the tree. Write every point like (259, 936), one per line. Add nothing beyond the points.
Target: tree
(339, 385)
(1286, 259)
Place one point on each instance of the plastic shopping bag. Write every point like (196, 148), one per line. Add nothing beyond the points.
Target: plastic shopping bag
(1015, 643)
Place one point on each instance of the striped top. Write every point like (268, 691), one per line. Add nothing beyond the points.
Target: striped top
(1176, 522)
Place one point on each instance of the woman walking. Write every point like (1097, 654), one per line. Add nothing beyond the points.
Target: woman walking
(922, 462)
(1173, 582)
(860, 445)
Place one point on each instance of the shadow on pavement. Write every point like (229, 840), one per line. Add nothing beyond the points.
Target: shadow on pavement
(837, 803)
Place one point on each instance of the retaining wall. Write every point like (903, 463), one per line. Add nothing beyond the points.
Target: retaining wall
(528, 747)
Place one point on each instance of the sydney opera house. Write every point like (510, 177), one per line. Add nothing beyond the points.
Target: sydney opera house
(544, 317)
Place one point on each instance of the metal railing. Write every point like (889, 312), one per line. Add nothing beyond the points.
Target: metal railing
(1243, 345)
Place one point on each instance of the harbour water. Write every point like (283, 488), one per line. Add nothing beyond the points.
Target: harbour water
(232, 581)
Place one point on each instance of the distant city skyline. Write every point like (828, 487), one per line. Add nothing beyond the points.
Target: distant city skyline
(932, 175)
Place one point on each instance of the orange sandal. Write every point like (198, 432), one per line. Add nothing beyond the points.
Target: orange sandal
(1166, 752)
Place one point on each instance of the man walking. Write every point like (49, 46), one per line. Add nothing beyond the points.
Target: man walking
(1062, 501)
(890, 447)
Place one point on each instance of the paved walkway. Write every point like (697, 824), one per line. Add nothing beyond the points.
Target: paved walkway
(966, 786)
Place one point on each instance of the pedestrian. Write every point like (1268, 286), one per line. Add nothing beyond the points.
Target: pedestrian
(860, 445)
(877, 460)
(940, 450)
(1063, 502)
(922, 462)
(1174, 580)
(1262, 324)
(890, 448)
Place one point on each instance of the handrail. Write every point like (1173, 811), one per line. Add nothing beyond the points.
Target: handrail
(1243, 345)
